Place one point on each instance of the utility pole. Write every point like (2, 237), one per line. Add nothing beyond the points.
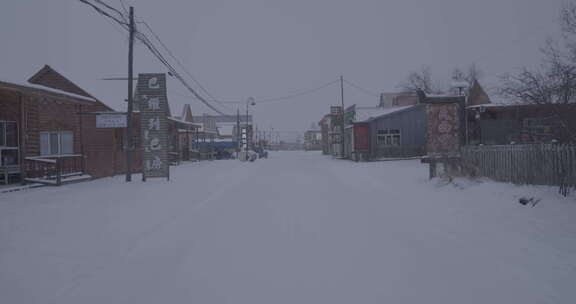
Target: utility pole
(342, 122)
(247, 142)
(237, 133)
(129, 139)
(255, 135)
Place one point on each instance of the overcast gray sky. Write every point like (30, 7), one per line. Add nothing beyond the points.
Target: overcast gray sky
(271, 48)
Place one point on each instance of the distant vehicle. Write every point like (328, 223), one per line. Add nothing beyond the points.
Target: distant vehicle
(252, 156)
(261, 152)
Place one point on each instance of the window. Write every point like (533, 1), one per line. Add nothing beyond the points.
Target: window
(56, 143)
(388, 137)
(8, 143)
(381, 137)
(2, 133)
(8, 134)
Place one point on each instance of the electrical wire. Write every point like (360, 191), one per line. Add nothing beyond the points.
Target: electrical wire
(292, 96)
(144, 40)
(361, 89)
(123, 7)
(180, 63)
(123, 22)
(112, 9)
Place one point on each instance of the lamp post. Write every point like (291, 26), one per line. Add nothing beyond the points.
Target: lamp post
(249, 102)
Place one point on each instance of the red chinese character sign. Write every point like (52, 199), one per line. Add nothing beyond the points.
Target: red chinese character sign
(153, 105)
(443, 129)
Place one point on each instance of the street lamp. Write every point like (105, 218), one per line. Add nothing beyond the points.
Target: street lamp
(249, 102)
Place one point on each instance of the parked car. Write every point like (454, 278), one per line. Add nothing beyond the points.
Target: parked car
(261, 152)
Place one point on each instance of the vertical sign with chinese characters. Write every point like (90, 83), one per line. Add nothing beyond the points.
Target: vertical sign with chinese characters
(443, 137)
(153, 105)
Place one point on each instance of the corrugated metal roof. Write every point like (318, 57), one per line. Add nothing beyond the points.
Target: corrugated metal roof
(365, 113)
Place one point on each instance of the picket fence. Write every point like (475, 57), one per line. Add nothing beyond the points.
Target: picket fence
(542, 164)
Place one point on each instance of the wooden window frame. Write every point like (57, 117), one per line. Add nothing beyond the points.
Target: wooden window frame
(389, 137)
(59, 145)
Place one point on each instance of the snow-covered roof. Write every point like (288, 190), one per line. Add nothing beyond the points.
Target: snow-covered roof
(490, 105)
(435, 95)
(207, 131)
(47, 89)
(176, 119)
(496, 101)
(367, 113)
(226, 129)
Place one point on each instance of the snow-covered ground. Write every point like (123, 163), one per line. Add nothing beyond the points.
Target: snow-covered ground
(297, 228)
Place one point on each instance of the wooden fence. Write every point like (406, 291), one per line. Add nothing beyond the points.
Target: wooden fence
(543, 164)
(398, 151)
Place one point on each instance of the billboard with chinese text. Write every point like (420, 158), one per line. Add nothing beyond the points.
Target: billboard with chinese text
(153, 105)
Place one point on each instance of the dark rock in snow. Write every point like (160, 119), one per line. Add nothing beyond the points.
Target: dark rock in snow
(528, 201)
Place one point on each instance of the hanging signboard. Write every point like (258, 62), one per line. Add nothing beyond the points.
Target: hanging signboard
(153, 105)
(111, 121)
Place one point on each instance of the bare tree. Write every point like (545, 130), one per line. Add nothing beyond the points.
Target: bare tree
(554, 81)
(527, 86)
(420, 80)
(464, 79)
(472, 74)
(568, 19)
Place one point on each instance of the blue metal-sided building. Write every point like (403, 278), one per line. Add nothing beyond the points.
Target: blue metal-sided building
(399, 133)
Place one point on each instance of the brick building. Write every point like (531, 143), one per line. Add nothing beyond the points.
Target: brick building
(48, 125)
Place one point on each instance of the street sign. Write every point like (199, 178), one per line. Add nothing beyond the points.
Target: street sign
(336, 110)
(104, 121)
(153, 105)
(244, 139)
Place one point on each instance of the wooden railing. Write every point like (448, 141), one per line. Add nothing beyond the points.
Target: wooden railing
(53, 168)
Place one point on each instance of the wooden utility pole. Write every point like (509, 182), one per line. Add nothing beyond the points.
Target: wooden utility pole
(129, 139)
(342, 122)
(237, 133)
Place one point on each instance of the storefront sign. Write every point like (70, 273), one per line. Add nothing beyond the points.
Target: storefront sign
(153, 104)
(111, 121)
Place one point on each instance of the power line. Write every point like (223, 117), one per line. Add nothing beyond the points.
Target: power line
(287, 97)
(123, 22)
(188, 95)
(179, 62)
(123, 7)
(142, 37)
(361, 89)
(146, 41)
(291, 96)
(113, 9)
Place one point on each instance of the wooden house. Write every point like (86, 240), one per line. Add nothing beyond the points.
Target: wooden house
(48, 132)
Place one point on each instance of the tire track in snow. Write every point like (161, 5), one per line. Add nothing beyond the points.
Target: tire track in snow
(79, 279)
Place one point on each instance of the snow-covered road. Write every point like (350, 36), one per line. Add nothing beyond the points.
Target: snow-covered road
(297, 228)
